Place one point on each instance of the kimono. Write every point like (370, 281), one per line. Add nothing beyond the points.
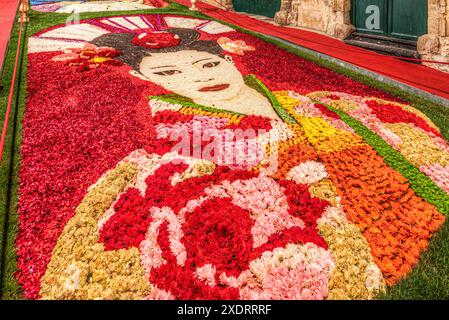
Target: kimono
(303, 208)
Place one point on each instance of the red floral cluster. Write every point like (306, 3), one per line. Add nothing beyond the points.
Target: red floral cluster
(391, 113)
(326, 111)
(69, 141)
(156, 40)
(297, 74)
(217, 232)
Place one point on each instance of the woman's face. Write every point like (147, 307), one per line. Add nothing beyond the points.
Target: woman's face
(194, 74)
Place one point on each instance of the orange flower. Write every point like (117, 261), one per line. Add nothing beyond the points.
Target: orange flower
(395, 221)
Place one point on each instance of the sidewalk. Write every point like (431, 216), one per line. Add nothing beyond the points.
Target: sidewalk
(415, 75)
(8, 10)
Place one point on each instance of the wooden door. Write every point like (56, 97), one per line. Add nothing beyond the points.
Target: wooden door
(266, 8)
(406, 19)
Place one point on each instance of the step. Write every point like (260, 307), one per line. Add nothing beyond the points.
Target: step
(385, 49)
(412, 43)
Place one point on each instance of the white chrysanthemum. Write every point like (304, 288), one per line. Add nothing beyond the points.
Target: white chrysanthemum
(308, 172)
(374, 279)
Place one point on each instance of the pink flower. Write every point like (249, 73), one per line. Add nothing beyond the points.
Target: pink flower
(89, 57)
(439, 175)
(234, 46)
(291, 273)
(206, 273)
(308, 172)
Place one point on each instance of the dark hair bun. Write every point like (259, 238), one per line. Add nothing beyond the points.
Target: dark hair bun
(132, 54)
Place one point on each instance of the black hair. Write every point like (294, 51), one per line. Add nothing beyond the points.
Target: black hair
(132, 54)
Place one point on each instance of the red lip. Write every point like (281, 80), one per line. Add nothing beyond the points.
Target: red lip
(217, 87)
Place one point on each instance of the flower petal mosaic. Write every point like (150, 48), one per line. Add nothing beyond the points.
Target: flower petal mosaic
(171, 157)
(80, 6)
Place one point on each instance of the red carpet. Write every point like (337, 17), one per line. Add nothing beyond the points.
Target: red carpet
(8, 10)
(418, 76)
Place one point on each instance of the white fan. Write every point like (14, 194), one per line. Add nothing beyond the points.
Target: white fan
(77, 35)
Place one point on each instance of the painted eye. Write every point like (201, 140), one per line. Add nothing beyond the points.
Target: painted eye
(211, 64)
(167, 72)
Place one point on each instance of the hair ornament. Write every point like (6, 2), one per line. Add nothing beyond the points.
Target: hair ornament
(156, 40)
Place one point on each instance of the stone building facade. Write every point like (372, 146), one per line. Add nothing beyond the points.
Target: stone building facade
(329, 16)
(333, 17)
(435, 44)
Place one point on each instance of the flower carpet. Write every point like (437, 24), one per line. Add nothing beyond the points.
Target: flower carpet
(95, 5)
(171, 157)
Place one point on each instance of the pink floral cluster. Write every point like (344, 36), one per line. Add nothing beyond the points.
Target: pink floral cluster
(88, 57)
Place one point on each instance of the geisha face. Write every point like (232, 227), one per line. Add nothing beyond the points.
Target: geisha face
(198, 75)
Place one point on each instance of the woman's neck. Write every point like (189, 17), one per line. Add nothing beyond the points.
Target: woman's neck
(248, 101)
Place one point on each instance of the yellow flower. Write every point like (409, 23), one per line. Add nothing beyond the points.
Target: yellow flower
(99, 59)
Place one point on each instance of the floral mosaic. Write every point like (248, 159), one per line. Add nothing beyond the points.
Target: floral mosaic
(79, 6)
(188, 160)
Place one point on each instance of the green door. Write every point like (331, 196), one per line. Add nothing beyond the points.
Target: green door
(266, 8)
(406, 19)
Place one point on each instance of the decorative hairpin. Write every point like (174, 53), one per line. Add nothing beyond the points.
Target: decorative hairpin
(156, 40)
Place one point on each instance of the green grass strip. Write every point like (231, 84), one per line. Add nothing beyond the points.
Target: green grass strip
(274, 102)
(419, 182)
(9, 167)
(184, 103)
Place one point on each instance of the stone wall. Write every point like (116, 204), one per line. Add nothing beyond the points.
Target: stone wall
(329, 16)
(435, 44)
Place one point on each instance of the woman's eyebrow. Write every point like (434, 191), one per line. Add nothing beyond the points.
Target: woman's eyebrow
(201, 60)
(162, 67)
